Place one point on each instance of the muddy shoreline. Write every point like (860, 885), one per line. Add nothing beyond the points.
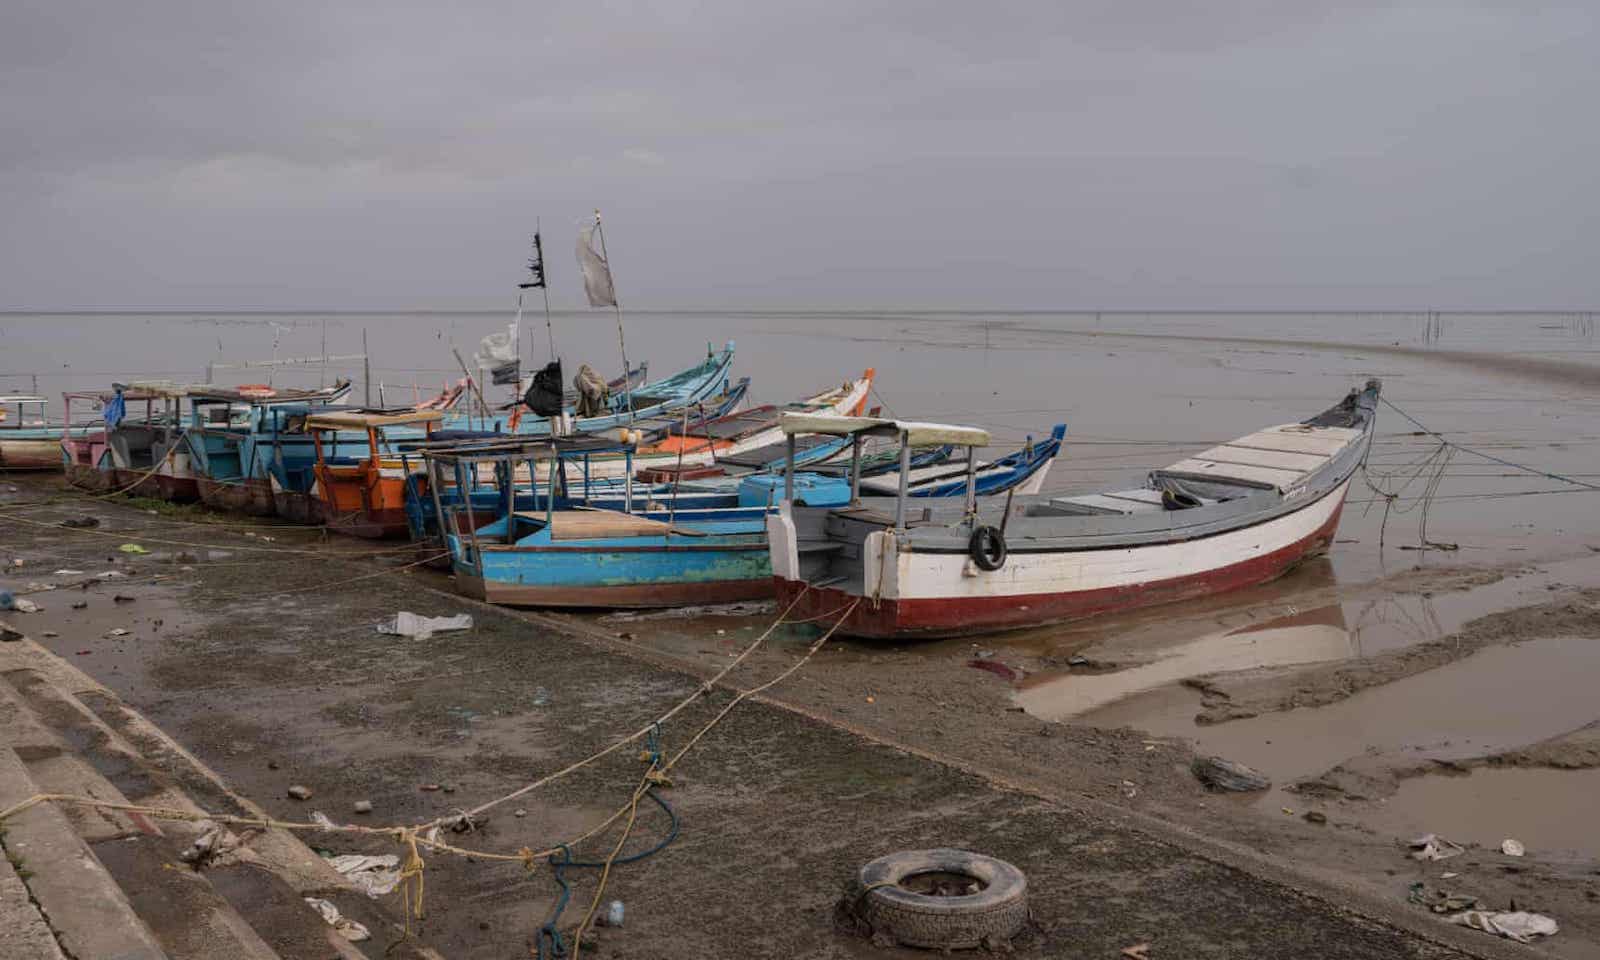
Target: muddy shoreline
(273, 678)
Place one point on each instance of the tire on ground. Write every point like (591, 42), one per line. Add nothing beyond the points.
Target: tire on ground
(996, 913)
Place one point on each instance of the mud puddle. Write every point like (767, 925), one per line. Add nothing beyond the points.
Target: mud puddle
(1550, 811)
(1301, 626)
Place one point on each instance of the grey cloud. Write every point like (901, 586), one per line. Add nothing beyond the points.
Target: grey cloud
(1086, 154)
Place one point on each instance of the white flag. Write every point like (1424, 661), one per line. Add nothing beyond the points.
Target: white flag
(596, 272)
(498, 348)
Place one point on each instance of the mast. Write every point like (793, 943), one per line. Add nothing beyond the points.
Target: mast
(622, 342)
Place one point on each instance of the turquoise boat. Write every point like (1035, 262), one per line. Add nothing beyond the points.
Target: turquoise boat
(545, 549)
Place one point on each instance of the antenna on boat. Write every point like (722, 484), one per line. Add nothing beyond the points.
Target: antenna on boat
(601, 291)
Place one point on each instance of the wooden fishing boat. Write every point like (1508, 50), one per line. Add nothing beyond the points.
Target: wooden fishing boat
(148, 457)
(682, 390)
(28, 441)
(748, 443)
(359, 491)
(1229, 517)
(236, 436)
(554, 552)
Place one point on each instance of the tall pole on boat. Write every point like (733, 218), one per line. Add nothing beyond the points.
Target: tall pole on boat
(544, 285)
(616, 306)
(366, 368)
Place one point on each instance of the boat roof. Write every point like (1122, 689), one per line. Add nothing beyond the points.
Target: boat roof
(521, 448)
(23, 398)
(915, 432)
(362, 419)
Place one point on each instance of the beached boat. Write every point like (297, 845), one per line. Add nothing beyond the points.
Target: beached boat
(1228, 517)
(27, 440)
(360, 492)
(746, 443)
(554, 552)
(242, 440)
(147, 455)
(685, 389)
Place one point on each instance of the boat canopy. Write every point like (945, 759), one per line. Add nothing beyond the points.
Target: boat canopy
(366, 419)
(521, 448)
(24, 399)
(915, 433)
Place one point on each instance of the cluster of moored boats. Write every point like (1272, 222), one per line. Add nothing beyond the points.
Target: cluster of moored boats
(675, 492)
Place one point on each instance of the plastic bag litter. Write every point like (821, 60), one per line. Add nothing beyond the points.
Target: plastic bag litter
(377, 876)
(1520, 926)
(1431, 846)
(132, 548)
(64, 572)
(407, 624)
(1512, 848)
(19, 604)
(344, 926)
(111, 575)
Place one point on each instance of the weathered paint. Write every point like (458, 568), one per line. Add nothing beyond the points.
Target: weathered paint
(927, 594)
(252, 497)
(29, 453)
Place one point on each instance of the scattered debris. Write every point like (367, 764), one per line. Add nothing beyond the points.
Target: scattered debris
(1519, 925)
(212, 840)
(541, 696)
(300, 792)
(322, 820)
(118, 632)
(21, 605)
(362, 806)
(377, 875)
(1512, 848)
(79, 604)
(429, 787)
(519, 812)
(49, 634)
(81, 523)
(1139, 951)
(122, 598)
(1316, 816)
(1079, 660)
(1008, 673)
(111, 575)
(612, 917)
(33, 586)
(8, 633)
(1431, 846)
(344, 926)
(132, 548)
(1439, 901)
(1226, 775)
(416, 627)
(467, 822)
(68, 573)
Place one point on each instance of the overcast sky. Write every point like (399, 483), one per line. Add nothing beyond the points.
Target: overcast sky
(849, 153)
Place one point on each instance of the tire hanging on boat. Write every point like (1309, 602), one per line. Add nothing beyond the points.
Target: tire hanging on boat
(987, 548)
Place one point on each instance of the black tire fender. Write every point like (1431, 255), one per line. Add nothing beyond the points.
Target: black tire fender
(993, 915)
(987, 548)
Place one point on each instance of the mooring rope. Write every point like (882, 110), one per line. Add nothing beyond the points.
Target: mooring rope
(416, 837)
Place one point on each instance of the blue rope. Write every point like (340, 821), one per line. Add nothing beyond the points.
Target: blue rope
(561, 860)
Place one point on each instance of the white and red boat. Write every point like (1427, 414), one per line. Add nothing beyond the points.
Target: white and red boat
(1228, 517)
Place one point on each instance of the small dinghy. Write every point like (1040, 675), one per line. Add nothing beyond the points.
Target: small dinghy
(1228, 517)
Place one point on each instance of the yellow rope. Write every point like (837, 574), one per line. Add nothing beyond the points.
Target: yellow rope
(425, 834)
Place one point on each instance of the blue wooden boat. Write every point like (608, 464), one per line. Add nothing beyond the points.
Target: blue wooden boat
(565, 555)
(237, 438)
(685, 389)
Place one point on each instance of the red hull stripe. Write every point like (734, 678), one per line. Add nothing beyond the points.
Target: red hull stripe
(957, 616)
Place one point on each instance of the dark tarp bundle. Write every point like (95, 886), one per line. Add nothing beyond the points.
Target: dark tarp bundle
(593, 392)
(506, 373)
(544, 396)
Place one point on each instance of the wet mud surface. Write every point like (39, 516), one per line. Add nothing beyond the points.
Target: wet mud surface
(274, 682)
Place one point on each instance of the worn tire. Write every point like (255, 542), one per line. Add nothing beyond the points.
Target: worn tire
(996, 913)
(987, 548)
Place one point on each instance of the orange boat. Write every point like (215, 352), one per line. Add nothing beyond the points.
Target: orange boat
(361, 494)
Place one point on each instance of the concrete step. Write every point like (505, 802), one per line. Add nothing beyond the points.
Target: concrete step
(84, 906)
(23, 933)
(248, 904)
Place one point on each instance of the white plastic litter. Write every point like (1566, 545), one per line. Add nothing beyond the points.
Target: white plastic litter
(1431, 846)
(347, 928)
(322, 820)
(111, 575)
(407, 624)
(1520, 926)
(24, 605)
(377, 876)
(68, 573)
(1512, 848)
